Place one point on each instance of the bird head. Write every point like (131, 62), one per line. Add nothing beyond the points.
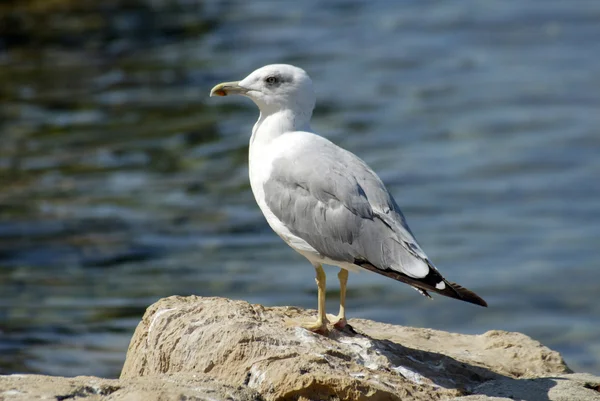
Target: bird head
(273, 88)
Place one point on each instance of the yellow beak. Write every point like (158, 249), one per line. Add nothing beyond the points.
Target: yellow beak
(228, 88)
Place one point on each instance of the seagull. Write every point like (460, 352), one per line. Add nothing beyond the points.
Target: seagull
(324, 201)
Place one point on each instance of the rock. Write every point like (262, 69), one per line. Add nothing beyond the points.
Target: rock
(217, 349)
(556, 388)
(256, 348)
(167, 387)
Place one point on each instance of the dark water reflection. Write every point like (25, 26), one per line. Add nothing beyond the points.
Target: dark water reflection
(121, 182)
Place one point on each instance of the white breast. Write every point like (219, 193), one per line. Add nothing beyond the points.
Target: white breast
(261, 158)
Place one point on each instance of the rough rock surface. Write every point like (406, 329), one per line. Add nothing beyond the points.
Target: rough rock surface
(178, 387)
(256, 348)
(213, 349)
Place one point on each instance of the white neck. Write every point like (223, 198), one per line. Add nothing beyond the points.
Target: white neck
(269, 127)
(272, 125)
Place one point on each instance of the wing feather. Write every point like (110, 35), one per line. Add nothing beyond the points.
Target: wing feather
(332, 200)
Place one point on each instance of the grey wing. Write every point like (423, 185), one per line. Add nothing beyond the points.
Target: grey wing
(332, 200)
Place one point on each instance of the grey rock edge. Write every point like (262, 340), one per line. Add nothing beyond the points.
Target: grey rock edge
(192, 348)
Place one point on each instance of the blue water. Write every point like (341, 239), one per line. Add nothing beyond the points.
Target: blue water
(122, 182)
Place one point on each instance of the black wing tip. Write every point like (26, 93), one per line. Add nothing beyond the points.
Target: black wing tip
(460, 292)
(451, 289)
(428, 283)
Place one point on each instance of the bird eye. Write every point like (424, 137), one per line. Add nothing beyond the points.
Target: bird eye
(271, 80)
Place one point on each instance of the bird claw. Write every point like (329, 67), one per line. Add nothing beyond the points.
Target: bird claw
(340, 324)
(319, 327)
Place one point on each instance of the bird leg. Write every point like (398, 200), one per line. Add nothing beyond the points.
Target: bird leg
(320, 326)
(341, 318)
